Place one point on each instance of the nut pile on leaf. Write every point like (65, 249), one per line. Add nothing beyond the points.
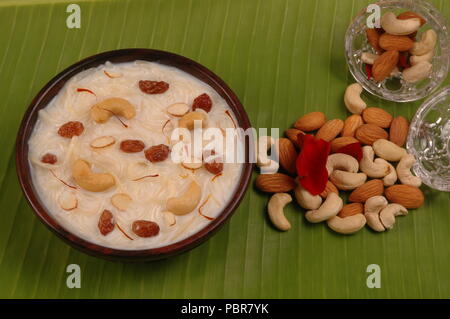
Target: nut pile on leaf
(362, 155)
(396, 51)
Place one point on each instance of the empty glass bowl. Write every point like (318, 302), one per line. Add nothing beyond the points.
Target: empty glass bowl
(395, 88)
(429, 141)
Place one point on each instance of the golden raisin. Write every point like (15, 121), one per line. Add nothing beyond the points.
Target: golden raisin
(132, 146)
(157, 153)
(106, 222)
(145, 228)
(71, 129)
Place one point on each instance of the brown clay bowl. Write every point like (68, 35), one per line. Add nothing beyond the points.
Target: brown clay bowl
(54, 86)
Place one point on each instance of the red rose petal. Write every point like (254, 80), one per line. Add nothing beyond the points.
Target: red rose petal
(353, 149)
(311, 164)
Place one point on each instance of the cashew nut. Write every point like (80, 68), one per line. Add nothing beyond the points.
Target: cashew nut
(369, 58)
(426, 44)
(188, 120)
(391, 176)
(353, 100)
(330, 208)
(416, 59)
(388, 214)
(343, 162)
(417, 72)
(371, 168)
(276, 213)
(347, 181)
(347, 225)
(404, 171)
(85, 178)
(268, 165)
(305, 199)
(102, 111)
(372, 209)
(387, 150)
(187, 202)
(392, 25)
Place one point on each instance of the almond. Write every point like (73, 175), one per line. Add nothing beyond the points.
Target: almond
(373, 37)
(377, 116)
(351, 124)
(311, 121)
(178, 109)
(384, 65)
(192, 163)
(103, 141)
(330, 130)
(369, 133)
(351, 209)
(287, 155)
(391, 42)
(410, 15)
(367, 190)
(329, 188)
(406, 195)
(121, 201)
(399, 131)
(292, 134)
(275, 183)
(68, 201)
(339, 142)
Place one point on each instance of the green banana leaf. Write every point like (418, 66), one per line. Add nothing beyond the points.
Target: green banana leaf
(282, 58)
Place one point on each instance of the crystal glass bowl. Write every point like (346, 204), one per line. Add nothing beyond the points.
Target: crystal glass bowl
(429, 141)
(396, 89)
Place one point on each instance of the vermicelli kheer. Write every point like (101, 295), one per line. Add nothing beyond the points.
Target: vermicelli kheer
(101, 156)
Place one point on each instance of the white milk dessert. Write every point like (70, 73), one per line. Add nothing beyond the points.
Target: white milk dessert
(113, 155)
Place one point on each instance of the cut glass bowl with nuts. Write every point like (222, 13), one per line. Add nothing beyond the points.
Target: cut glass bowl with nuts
(396, 86)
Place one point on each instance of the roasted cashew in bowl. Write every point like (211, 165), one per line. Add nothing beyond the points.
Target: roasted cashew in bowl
(392, 25)
(188, 120)
(276, 210)
(186, 202)
(426, 43)
(85, 178)
(102, 111)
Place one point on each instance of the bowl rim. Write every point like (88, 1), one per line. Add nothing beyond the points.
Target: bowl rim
(45, 95)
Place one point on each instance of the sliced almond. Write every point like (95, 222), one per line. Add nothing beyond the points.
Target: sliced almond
(121, 201)
(178, 109)
(103, 141)
(192, 164)
(68, 201)
(169, 218)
